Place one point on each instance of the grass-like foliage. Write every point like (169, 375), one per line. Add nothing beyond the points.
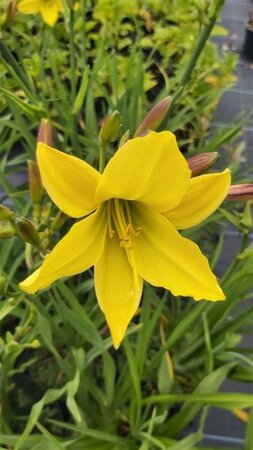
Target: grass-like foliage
(63, 385)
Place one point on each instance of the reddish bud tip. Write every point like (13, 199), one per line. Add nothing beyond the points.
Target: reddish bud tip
(240, 192)
(45, 133)
(199, 164)
(154, 118)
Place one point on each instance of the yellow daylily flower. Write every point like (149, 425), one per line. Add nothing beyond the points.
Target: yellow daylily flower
(130, 233)
(49, 9)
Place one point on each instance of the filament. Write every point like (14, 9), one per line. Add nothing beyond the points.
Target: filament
(120, 221)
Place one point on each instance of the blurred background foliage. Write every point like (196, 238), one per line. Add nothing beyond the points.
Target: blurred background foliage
(128, 56)
(62, 384)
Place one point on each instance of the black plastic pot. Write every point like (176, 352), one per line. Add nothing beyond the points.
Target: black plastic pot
(247, 49)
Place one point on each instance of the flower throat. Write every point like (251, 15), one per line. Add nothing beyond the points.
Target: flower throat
(120, 221)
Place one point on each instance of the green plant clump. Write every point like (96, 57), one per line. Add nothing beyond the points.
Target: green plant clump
(104, 72)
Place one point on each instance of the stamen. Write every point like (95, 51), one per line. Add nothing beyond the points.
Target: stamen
(128, 230)
(119, 216)
(116, 222)
(128, 213)
(109, 217)
(136, 231)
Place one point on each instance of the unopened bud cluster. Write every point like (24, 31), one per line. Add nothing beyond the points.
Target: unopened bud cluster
(19, 226)
(35, 232)
(27, 231)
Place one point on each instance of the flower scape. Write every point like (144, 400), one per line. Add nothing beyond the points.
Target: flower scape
(130, 215)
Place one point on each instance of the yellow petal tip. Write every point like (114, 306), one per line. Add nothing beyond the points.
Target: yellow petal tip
(117, 338)
(216, 296)
(26, 288)
(117, 333)
(116, 346)
(29, 284)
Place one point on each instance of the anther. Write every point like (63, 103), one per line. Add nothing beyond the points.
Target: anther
(137, 231)
(128, 230)
(111, 233)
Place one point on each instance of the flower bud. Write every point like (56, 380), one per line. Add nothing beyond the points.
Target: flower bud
(58, 221)
(233, 340)
(199, 164)
(154, 118)
(10, 12)
(124, 138)
(240, 192)
(6, 229)
(35, 344)
(5, 213)
(110, 129)
(34, 180)
(45, 213)
(27, 231)
(45, 133)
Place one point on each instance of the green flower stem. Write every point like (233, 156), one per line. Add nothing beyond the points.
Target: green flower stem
(74, 130)
(42, 55)
(201, 42)
(72, 55)
(101, 157)
(176, 334)
(36, 212)
(235, 262)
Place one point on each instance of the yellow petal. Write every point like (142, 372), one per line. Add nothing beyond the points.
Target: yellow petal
(118, 289)
(59, 4)
(150, 169)
(49, 12)
(28, 6)
(76, 252)
(70, 182)
(166, 259)
(204, 195)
